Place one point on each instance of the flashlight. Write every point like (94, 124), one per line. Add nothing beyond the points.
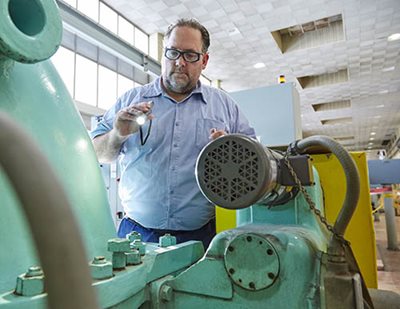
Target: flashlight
(141, 119)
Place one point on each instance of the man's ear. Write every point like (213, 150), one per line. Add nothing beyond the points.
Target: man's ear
(205, 61)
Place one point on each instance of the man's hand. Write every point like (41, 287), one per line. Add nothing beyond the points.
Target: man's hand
(125, 120)
(214, 133)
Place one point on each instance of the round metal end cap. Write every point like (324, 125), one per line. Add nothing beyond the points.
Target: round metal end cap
(233, 171)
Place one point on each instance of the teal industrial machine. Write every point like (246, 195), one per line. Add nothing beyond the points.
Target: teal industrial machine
(58, 243)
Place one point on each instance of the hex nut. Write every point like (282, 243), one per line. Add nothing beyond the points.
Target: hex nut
(100, 268)
(133, 257)
(166, 293)
(30, 283)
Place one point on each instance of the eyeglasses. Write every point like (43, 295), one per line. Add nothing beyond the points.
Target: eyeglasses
(188, 56)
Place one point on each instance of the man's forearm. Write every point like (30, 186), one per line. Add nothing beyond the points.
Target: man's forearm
(107, 146)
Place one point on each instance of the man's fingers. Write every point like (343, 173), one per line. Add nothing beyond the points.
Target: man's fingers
(142, 107)
(131, 113)
(126, 115)
(214, 133)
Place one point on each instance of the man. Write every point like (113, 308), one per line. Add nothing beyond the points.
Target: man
(158, 189)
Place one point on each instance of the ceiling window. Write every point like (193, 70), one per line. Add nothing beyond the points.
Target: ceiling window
(141, 41)
(108, 18)
(90, 8)
(125, 30)
(71, 3)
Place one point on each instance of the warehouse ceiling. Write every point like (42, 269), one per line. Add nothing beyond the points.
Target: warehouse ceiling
(337, 53)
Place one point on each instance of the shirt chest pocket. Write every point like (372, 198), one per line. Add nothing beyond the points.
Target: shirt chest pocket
(203, 127)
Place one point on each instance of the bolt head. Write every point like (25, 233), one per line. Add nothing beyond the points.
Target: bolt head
(99, 260)
(139, 245)
(119, 260)
(167, 240)
(34, 271)
(134, 235)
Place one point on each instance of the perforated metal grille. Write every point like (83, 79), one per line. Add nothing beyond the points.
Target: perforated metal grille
(231, 171)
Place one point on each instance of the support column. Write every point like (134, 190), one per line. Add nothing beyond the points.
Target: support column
(156, 46)
(390, 224)
(216, 83)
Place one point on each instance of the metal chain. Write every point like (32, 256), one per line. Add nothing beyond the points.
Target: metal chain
(311, 203)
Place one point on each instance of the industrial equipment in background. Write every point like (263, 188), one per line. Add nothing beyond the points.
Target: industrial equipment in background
(59, 245)
(385, 173)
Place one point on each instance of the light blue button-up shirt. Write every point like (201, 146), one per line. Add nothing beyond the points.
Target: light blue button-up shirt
(158, 188)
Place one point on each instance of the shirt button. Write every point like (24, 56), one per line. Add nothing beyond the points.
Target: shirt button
(173, 168)
(171, 192)
(175, 145)
(177, 124)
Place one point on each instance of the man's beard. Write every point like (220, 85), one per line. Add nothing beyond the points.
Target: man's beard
(177, 85)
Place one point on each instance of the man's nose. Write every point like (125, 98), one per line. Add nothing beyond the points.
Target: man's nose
(180, 61)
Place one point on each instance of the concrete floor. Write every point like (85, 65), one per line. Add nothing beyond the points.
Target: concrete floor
(389, 276)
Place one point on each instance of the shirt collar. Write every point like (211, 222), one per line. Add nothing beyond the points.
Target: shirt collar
(200, 89)
(155, 89)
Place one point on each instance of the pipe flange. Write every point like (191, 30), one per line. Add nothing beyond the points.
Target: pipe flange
(251, 262)
(30, 31)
